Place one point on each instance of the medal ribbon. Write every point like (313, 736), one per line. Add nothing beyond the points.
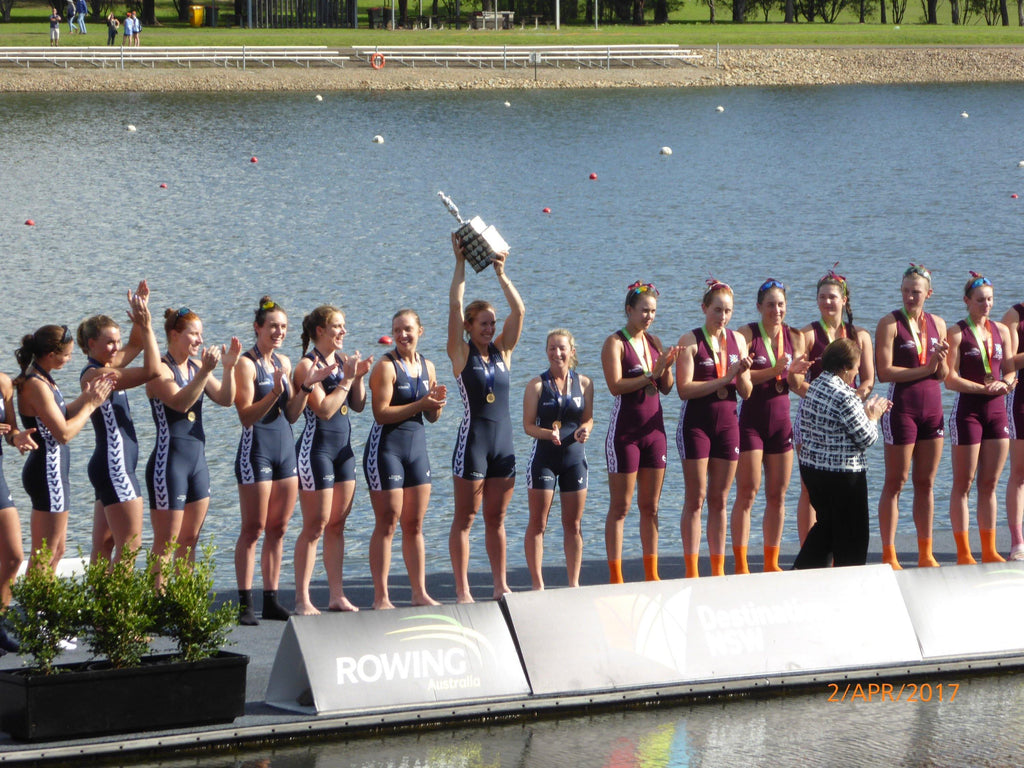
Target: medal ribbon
(646, 363)
(920, 332)
(718, 355)
(986, 353)
(489, 369)
(840, 330)
(562, 400)
(418, 379)
(773, 356)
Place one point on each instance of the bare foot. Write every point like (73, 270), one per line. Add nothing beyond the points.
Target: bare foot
(306, 609)
(464, 599)
(499, 591)
(382, 605)
(424, 599)
(342, 604)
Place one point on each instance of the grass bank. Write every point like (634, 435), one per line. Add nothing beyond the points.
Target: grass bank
(688, 26)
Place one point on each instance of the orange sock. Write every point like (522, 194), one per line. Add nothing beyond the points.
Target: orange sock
(989, 553)
(614, 571)
(890, 559)
(925, 558)
(739, 554)
(771, 560)
(692, 571)
(718, 565)
(651, 568)
(963, 548)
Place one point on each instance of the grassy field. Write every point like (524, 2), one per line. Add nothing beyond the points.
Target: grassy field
(688, 27)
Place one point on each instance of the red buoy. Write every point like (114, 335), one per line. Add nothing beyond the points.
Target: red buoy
(163, 186)
(30, 222)
(384, 340)
(593, 177)
(1013, 196)
(253, 159)
(546, 210)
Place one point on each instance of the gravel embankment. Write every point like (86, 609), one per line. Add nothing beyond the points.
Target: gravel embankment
(729, 67)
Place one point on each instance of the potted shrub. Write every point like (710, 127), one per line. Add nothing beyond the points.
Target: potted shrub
(117, 609)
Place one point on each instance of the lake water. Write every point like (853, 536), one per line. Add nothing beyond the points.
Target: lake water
(782, 183)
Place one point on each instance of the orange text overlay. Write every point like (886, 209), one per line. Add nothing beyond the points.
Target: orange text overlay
(902, 692)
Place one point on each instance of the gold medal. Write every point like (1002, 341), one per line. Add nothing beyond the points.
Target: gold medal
(722, 393)
(989, 378)
(556, 425)
(343, 410)
(490, 397)
(191, 415)
(780, 387)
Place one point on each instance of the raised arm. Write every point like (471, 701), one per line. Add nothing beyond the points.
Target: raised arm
(306, 385)
(127, 378)
(165, 388)
(223, 392)
(458, 350)
(136, 337)
(512, 328)
(37, 400)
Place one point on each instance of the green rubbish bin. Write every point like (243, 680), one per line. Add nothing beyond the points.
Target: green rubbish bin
(195, 15)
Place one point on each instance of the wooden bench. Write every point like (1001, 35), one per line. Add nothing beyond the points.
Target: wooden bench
(183, 56)
(506, 56)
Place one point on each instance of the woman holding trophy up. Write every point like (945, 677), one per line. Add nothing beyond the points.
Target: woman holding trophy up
(484, 463)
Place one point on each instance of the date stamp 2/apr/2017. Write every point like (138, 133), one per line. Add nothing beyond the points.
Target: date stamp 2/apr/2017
(888, 692)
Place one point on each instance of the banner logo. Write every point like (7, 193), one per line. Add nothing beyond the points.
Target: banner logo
(443, 653)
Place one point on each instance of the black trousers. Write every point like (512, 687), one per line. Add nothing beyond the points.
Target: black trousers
(840, 534)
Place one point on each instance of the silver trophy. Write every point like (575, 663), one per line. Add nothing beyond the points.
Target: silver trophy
(479, 241)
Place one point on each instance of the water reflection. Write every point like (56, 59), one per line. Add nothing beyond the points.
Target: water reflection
(981, 726)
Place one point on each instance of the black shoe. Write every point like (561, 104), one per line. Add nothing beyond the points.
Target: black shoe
(7, 643)
(273, 610)
(246, 617)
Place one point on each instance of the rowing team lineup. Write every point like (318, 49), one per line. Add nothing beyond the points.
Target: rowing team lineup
(719, 443)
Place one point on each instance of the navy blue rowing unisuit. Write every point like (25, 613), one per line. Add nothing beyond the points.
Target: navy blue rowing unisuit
(564, 464)
(177, 473)
(266, 450)
(484, 446)
(395, 455)
(324, 449)
(45, 472)
(113, 461)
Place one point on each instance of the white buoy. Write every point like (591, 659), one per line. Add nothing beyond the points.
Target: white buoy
(1020, 164)
(131, 128)
(666, 151)
(378, 139)
(719, 108)
(964, 114)
(319, 97)
(507, 104)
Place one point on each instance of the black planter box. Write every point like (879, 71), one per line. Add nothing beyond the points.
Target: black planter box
(90, 699)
